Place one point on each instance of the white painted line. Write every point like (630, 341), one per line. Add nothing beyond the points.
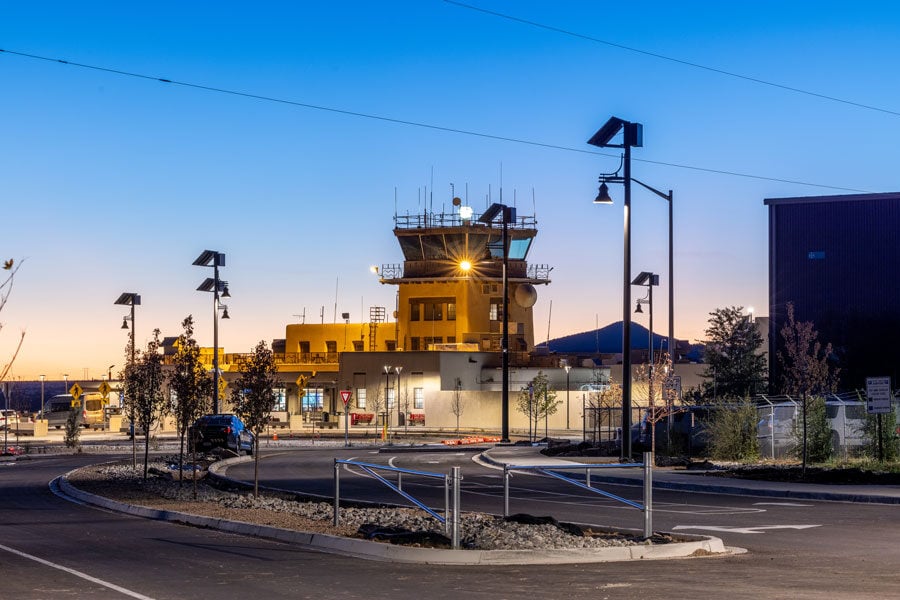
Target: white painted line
(391, 462)
(759, 529)
(781, 504)
(111, 586)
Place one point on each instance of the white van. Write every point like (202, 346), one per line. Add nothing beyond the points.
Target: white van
(780, 423)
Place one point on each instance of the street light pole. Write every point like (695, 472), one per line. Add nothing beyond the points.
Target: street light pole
(214, 259)
(567, 368)
(387, 408)
(41, 417)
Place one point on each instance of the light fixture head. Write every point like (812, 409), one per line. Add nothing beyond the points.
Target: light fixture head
(603, 195)
(124, 322)
(225, 312)
(387, 369)
(465, 266)
(225, 293)
(639, 309)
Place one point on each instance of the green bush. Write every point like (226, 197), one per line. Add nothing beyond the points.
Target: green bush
(732, 433)
(819, 447)
(889, 436)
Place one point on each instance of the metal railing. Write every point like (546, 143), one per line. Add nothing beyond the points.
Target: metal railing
(549, 470)
(452, 481)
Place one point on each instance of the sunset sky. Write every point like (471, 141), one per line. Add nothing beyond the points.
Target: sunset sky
(291, 133)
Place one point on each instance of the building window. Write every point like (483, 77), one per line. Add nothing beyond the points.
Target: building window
(391, 345)
(312, 400)
(280, 399)
(429, 341)
(496, 309)
(414, 344)
(330, 346)
(433, 311)
(304, 347)
(418, 397)
(451, 311)
(357, 345)
(451, 339)
(360, 398)
(414, 311)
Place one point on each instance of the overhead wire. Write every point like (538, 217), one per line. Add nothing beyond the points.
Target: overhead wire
(679, 61)
(419, 124)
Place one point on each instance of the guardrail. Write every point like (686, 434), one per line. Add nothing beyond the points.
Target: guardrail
(451, 500)
(549, 470)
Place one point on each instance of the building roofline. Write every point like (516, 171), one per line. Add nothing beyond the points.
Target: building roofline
(834, 198)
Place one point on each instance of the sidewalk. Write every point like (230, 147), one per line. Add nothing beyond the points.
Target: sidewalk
(700, 481)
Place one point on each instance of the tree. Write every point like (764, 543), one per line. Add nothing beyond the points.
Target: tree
(735, 365)
(806, 371)
(144, 379)
(253, 397)
(656, 378)
(192, 386)
(537, 400)
(375, 400)
(456, 403)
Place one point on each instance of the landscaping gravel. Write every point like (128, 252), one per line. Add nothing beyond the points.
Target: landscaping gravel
(477, 530)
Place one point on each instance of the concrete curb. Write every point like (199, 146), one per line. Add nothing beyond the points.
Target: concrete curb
(696, 546)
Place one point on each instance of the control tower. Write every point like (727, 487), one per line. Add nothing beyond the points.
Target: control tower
(450, 285)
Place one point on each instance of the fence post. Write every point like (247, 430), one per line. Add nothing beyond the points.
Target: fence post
(505, 491)
(454, 532)
(337, 492)
(648, 494)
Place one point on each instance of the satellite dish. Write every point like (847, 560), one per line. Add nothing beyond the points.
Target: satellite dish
(525, 295)
(457, 201)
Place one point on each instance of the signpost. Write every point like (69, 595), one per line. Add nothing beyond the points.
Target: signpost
(345, 396)
(76, 392)
(104, 391)
(878, 402)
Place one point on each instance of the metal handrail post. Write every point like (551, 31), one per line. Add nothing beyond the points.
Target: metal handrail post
(399, 480)
(505, 491)
(648, 494)
(587, 477)
(337, 492)
(447, 505)
(454, 532)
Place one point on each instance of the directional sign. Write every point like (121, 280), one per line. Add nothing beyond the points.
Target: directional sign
(302, 381)
(345, 396)
(75, 403)
(76, 391)
(104, 389)
(878, 395)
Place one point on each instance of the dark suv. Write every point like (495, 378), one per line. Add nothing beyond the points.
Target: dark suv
(221, 431)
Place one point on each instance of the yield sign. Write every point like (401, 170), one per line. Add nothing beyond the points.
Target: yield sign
(345, 396)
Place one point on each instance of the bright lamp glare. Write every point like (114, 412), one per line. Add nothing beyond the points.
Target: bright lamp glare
(465, 266)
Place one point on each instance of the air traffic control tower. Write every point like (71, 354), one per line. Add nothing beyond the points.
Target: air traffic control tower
(450, 285)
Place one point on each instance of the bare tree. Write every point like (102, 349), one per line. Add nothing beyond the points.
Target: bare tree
(253, 397)
(375, 400)
(192, 386)
(145, 380)
(660, 400)
(456, 403)
(537, 400)
(806, 371)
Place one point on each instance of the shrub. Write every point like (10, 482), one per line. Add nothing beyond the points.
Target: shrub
(819, 447)
(889, 436)
(732, 433)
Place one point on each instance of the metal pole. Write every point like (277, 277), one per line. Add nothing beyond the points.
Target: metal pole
(626, 312)
(505, 491)
(651, 400)
(347, 425)
(671, 290)
(583, 418)
(447, 505)
(337, 492)
(648, 494)
(41, 417)
(504, 344)
(454, 531)
(216, 334)
(567, 397)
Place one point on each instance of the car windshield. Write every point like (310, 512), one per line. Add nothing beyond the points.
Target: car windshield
(216, 420)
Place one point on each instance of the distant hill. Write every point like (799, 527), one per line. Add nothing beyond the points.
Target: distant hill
(608, 340)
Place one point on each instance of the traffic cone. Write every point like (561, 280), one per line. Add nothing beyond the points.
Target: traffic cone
(274, 437)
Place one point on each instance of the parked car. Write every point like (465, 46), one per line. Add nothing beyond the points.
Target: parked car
(221, 431)
(8, 418)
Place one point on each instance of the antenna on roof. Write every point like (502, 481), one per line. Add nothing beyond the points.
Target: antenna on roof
(301, 317)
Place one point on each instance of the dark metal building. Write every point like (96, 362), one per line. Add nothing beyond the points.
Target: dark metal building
(837, 259)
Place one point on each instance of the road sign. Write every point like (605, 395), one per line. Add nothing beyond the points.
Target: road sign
(345, 396)
(673, 384)
(301, 381)
(104, 389)
(75, 403)
(76, 391)
(222, 385)
(878, 395)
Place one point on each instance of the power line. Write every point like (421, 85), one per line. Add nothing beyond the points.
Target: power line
(675, 60)
(416, 123)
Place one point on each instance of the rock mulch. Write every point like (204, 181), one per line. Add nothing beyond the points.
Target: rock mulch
(398, 525)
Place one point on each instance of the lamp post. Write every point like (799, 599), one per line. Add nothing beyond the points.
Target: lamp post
(41, 417)
(508, 215)
(66, 380)
(648, 279)
(132, 300)
(632, 136)
(397, 395)
(567, 368)
(211, 258)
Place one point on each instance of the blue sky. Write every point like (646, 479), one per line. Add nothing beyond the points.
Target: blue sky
(113, 183)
